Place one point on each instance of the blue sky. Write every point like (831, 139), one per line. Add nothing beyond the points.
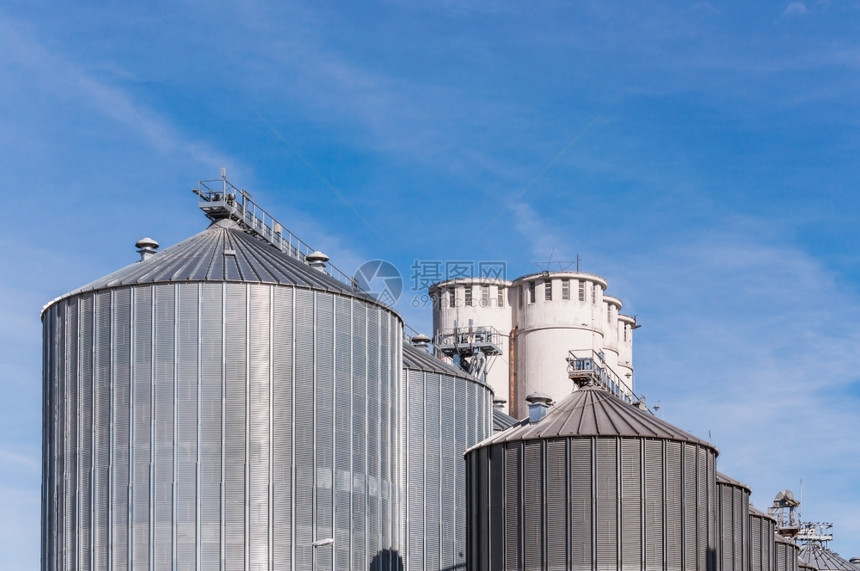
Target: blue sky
(701, 156)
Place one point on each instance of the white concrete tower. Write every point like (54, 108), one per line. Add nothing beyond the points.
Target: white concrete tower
(475, 304)
(545, 317)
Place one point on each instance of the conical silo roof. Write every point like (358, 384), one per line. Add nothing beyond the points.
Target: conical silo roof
(823, 559)
(223, 252)
(420, 360)
(592, 411)
(723, 479)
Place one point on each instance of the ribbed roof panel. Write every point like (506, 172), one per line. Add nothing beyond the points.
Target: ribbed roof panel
(592, 411)
(420, 360)
(822, 558)
(222, 252)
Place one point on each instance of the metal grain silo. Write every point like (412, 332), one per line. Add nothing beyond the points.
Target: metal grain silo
(823, 559)
(785, 554)
(595, 484)
(803, 566)
(220, 405)
(762, 540)
(733, 507)
(447, 411)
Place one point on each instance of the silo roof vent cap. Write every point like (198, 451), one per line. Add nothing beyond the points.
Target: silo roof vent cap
(421, 341)
(146, 247)
(316, 260)
(499, 404)
(539, 403)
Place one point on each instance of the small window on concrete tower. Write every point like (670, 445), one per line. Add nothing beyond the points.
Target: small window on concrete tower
(531, 292)
(565, 289)
(547, 290)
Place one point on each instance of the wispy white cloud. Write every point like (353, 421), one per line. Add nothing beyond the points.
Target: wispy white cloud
(795, 9)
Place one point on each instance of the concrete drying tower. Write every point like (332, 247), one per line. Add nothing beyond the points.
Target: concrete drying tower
(535, 322)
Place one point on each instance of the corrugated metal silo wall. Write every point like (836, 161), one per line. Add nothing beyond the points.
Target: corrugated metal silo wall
(592, 503)
(733, 507)
(220, 425)
(785, 556)
(446, 415)
(762, 543)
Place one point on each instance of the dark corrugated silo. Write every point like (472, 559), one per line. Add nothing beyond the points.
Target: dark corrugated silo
(220, 404)
(785, 554)
(447, 412)
(762, 539)
(595, 484)
(733, 506)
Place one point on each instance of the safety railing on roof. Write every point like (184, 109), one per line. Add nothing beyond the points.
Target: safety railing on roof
(220, 199)
(591, 369)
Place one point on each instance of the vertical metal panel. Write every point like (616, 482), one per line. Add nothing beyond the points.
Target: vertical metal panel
(304, 428)
(607, 504)
(71, 433)
(416, 468)
(211, 379)
(494, 517)
(513, 496)
(343, 431)
(756, 543)
(674, 506)
(703, 508)
(532, 506)
(324, 420)
(373, 437)
(85, 431)
(432, 397)
(120, 428)
(581, 504)
(557, 529)
(654, 504)
(631, 504)
(187, 367)
(690, 507)
(360, 427)
(461, 417)
(450, 457)
(282, 427)
(141, 427)
(163, 417)
(259, 438)
(235, 404)
(101, 430)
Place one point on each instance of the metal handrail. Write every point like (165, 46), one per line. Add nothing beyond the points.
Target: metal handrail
(228, 201)
(598, 372)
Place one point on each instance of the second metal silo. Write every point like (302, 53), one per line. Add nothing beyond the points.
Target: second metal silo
(785, 554)
(762, 540)
(733, 505)
(447, 411)
(595, 484)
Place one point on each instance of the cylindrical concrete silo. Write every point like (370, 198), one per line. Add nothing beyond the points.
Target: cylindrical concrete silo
(479, 302)
(762, 540)
(595, 484)
(220, 405)
(733, 508)
(823, 559)
(785, 554)
(447, 412)
(559, 312)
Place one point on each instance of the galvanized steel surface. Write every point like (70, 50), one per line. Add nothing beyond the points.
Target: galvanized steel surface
(762, 540)
(733, 523)
(446, 412)
(221, 425)
(785, 554)
(502, 421)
